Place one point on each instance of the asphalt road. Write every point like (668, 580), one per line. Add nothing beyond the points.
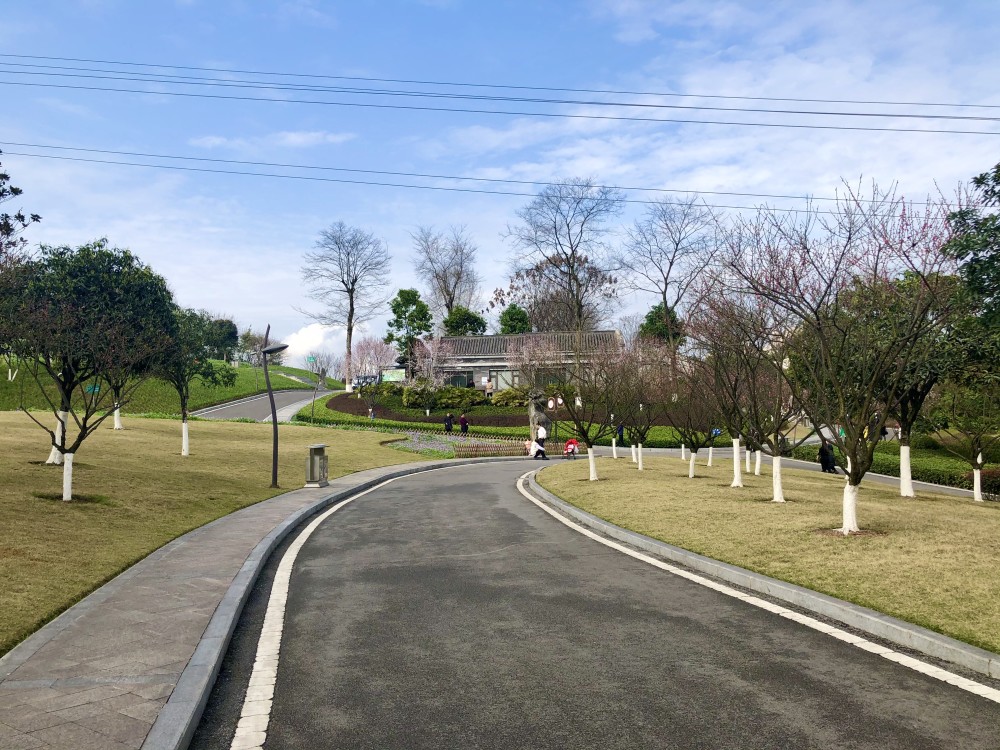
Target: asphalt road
(256, 407)
(446, 611)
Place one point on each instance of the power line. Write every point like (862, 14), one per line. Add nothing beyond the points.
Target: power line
(90, 73)
(311, 178)
(421, 175)
(466, 110)
(500, 86)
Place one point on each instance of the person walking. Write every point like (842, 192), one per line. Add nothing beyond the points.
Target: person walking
(463, 424)
(826, 459)
(621, 433)
(541, 435)
(449, 422)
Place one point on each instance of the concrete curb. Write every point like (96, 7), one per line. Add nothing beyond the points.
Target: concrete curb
(866, 620)
(176, 723)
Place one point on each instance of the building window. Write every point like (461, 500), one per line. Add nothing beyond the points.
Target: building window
(460, 379)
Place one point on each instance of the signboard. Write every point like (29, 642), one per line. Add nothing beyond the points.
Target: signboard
(93, 389)
(310, 359)
(395, 375)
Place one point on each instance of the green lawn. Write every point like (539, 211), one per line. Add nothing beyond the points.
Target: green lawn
(137, 494)
(930, 560)
(153, 396)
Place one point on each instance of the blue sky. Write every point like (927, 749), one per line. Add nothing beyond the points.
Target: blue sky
(233, 244)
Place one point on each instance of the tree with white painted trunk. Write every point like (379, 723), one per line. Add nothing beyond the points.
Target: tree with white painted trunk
(689, 409)
(746, 340)
(640, 373)
(187, 360)
(84, 315)
(858, 329)
(372, 355)
(348, 273)
(586, 380)
(966, 415)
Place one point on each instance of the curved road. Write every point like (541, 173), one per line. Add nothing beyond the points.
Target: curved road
(258, 407)
(444, 610)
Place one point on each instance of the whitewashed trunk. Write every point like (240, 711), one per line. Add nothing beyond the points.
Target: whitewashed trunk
(694, 454)
(635, 460)
(905, 475)
(593, 464)
(749, 452)
(737, 476)
(709, 456)
(185, 443)
(756, 463)
(640, 456)
(850, 509)
(67, 477)
(55, 457)
(118, 419)
(427, 412)
(777, 495)
(614, 448)
(977, 485)
(12, 374)
(848, 468)
(683, 456)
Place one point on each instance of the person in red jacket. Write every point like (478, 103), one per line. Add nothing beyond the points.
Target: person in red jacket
(572, 448)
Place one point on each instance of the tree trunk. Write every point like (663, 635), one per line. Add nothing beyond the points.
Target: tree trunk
(749, 453)
(777, 496)
(640, 456)
(683, 457)
(977, 480)
(709, 456)
(118, 419)
(348, 363)
(593, 464)
(737, 476)
(55, 457)
(905, 475)
(614, 449)
(694, 455)
(756, 463)
(185, 442)
(850, 509)
(67, 477)
(634, 459)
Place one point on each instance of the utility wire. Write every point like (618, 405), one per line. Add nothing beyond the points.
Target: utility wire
(271, 86)
(560, 115)
(311, 178)
(421, 175)
(497, 86)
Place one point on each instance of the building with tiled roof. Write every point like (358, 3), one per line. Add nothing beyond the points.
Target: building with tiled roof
(475, 360)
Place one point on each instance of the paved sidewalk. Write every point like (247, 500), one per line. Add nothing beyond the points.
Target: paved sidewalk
(98, 676)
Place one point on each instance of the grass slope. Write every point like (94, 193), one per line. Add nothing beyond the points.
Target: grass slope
(153, 396)
(139, 493)
(932, 561)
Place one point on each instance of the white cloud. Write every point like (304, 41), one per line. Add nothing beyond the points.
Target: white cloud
(311, 338)
(280, 139)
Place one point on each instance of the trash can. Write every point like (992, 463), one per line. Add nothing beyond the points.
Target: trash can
(316, 466)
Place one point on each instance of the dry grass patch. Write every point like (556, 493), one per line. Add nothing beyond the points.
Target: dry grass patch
(931, 561)
(136, 493)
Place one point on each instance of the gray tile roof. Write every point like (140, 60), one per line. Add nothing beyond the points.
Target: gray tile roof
(500, 345)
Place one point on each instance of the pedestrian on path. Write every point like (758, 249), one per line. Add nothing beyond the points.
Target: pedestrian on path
(826, 459)
(449, 422)
(541, 435)
(463, 424)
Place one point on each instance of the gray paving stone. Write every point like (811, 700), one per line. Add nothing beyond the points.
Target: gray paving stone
(120, 727)
(76, 736)
(27, 719)
(144, 711)
(20, 741)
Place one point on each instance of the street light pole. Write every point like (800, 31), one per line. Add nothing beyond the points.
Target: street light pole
(265, 350)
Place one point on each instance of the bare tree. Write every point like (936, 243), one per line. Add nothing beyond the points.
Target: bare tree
(563, 252)
(667, 252)
(688, 409)
(372, 355)
(447, 265)
(860, 332)
(348, 273)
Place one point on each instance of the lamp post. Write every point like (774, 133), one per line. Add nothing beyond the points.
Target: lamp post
(265, 350)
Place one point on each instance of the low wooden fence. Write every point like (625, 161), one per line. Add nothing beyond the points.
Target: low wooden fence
(481, 450)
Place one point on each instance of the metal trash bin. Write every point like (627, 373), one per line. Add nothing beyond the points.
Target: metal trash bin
(316, 466)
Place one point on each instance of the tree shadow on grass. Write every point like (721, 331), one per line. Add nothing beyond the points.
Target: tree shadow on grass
(77, 498)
